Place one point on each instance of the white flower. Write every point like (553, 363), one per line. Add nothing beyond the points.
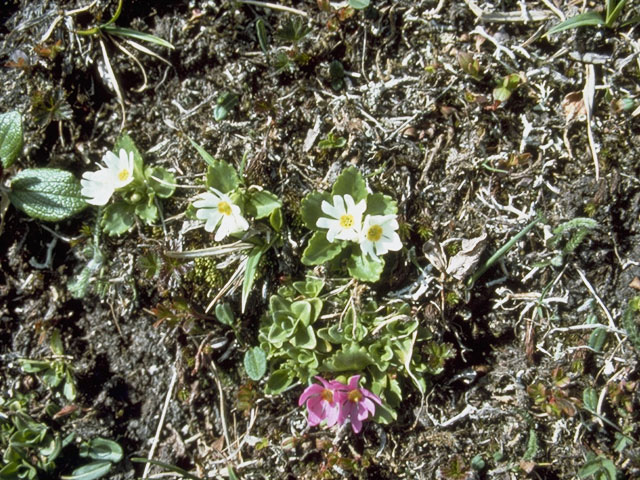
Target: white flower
(217, 208)
(379, 235)
(99, 186)
(346, 218)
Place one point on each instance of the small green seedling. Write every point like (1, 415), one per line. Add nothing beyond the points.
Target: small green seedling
(469, 65)
(332, 141)
(507, 86)
(57, 371)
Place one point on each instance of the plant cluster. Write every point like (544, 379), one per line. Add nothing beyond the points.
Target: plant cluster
(136, 186)
(351, 226)
(34, 446)
(307, 332)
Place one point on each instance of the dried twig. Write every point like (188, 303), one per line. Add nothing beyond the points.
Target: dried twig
(274, 6)
(152, 452)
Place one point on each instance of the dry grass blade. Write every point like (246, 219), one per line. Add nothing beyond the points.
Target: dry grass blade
(588, 94)
(114, 82)
(137, 62)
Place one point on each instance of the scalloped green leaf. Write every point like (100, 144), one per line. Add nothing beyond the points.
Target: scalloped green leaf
(118, 218)
(351, 182)
(311, 208)
(147, 211)
(364, 268)
(310, 288)
(352, 359)
(161, 181)
(10, 137)
(320, 250)
(380, 204)
(304, 338)
(301, 310)
(222, 176)
(262, 203)
(255, 363)
(47, 193)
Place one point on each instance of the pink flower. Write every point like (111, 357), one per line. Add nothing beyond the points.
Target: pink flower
(321, 402)
(356, 403)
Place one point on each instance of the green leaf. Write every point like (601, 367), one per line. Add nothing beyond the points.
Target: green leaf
(275, 220)
(161, 180)
(590, 399)
(532, 446)
(598, 465)
(255, 363)
(135, 34)
(304, 338)
(359, 4)
(301, 311)
(89, 472)
(224, 314)
(311, 208)
(630, 323)
(613, 13)
(56, 343)
(351, 182)
(262, 203)
(278, 381)
(47, 193)
(501, 94)
(33, 366)
(584, 19)
(310, 288)
(385, 414)
(69, 390)
(363, 268)
(203, 153)
(118, 218)
(102, 449)
(351, 359)
(250, 273)
(320, 250)
(225, 103)
(10, 137)
(597, 339)
(222, 176)
(380, 204)
(261, 32)
(147, 211)
(126, 142)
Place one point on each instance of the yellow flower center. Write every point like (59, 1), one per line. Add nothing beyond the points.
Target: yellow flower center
(346, 221)
(327, 395)
(354, 396)
(123, 175)
(224, 208)
(374, 233)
